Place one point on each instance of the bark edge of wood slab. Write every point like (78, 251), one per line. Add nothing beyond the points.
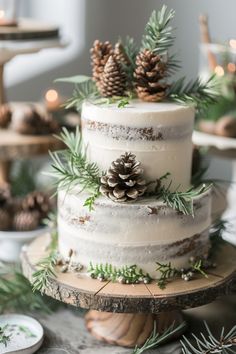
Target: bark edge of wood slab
(131, 329)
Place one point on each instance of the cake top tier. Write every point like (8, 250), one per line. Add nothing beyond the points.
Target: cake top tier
(139, 113)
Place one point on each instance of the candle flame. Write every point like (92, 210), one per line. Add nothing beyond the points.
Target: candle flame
(51, 95)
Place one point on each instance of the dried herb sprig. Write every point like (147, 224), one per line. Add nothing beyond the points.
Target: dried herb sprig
(209, 344)
(4, 338)
(168, 272)
(70, 167)
(124, 275)
(156, 339)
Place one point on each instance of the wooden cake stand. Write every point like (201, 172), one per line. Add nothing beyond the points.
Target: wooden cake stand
(125, 314)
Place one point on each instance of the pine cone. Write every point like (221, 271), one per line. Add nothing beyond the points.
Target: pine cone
(37, 201)
(35, 122)
(5, 220)
(100, 53)
(120, 54)
(124, 180)
(25, 221)
(5, 115)
(113, 81)
(149, 73)
(5, 194)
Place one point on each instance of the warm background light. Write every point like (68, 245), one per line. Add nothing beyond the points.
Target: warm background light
(232, 43)
(2, 14)
(51, 96)
(219, 70)
(231, 67)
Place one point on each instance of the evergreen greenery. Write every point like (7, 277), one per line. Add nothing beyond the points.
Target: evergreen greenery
(156, 339)
(70, 167)
(125, 275)
(4, 338)
(209, 344)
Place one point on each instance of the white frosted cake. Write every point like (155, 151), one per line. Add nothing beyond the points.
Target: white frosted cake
(145, 231)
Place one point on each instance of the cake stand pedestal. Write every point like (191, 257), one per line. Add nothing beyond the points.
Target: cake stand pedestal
(125, 314)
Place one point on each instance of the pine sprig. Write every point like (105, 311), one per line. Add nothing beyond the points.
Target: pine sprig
(156, 339)
(158, 35)
(125, 275)
(130, 52)
(4, 338)
(86, 90)
(70, 167)
(197, 93)
(208, 344)
(181, 201)
(46, 271)
(16, 295)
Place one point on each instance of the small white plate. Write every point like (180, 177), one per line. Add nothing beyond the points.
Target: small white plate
(26, 334)
(11, 242)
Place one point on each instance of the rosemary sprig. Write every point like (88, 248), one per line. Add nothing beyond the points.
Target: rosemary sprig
(4, 338)
(70, 167)
(158, 35)
(157, 339)
(208, 344)
(125, 275)
(167, 272)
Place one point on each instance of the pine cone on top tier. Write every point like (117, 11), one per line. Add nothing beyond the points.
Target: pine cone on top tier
(113, 81)
(5, 194)
(5, 115)
(124, 180)
(25, 221)
(149, 73)
(5, 220)
(100, 53)
(37, 202)
(120, 54)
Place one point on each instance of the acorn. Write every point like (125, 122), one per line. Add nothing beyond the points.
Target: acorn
(226, 126)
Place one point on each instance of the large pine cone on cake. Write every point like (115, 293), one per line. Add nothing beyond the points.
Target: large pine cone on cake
(37, 202)
(113, 81)
(5, 194)
(124, 180)
(5, 220)
(149, 74)
(5, 115)
(100, 52)
(25, 221)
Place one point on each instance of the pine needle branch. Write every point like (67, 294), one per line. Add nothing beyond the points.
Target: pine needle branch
(46, 271)
(157, 339)
(208, 344)
(70, 167)
(4, 338)
(158, 35)
(197, 93)
(16, 295)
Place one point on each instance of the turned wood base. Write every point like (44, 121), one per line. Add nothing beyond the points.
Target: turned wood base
(129, 330)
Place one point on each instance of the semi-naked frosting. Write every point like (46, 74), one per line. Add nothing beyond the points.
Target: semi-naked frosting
(141, 233)
(159, 134)
(146, 231)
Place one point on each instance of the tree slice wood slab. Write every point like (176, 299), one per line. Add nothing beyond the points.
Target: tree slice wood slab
(28, 30)
(14, 145)
(81, 291)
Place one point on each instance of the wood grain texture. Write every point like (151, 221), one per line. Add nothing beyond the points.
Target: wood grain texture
(87, 293)
(14, 145)
(128, 330)
(28, 30)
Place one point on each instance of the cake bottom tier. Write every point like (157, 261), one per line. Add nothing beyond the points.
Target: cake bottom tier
(141, 233)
